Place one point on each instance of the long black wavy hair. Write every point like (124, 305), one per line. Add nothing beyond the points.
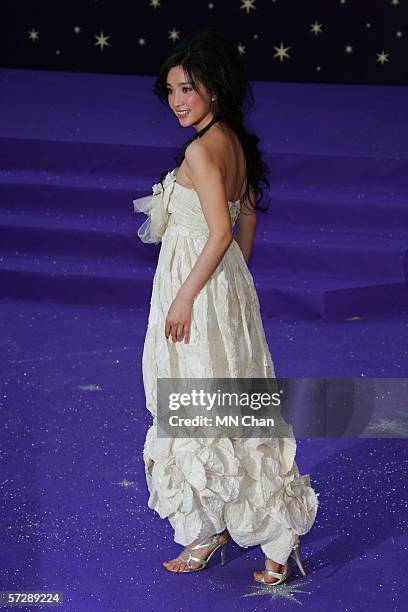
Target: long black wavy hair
(210, 57)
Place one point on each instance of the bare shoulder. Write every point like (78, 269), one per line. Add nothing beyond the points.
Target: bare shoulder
(208, 182)
(213, 149)
(217, 156)
(197, 150)
(201, 149)
(201, 160)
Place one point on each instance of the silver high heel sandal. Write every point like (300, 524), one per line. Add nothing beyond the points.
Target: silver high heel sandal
(287, 570)
(204, 562)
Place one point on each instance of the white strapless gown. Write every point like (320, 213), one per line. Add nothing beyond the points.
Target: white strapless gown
(252, 486)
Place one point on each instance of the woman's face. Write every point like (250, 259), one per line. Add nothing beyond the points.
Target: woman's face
(182, 97)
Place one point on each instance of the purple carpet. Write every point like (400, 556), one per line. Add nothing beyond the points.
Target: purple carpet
(330, 263)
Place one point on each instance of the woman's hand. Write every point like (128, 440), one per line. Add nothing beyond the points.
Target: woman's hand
(178, 319)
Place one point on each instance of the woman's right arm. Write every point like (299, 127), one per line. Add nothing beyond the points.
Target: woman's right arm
(246, 224)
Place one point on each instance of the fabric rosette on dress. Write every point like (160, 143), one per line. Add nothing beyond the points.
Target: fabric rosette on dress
(251, 486)
(156, 209)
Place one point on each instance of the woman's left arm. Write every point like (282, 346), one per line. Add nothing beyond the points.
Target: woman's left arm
(209, 185)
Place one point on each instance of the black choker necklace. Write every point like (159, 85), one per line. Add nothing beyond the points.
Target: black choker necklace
(207, 127)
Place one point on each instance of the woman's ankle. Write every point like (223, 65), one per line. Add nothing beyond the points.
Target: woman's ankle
(224, 535)
(274, 563)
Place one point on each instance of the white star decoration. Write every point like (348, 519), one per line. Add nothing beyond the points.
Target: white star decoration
(125, 483)
(33, 35)
(248, 5)
(174, 34)
(316, 28)
(89, 387)
(393, 426)
(101, 40)
(284, 591)
(382, 57)
(281, 52)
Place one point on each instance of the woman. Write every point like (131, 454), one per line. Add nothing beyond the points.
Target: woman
(205, 322)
